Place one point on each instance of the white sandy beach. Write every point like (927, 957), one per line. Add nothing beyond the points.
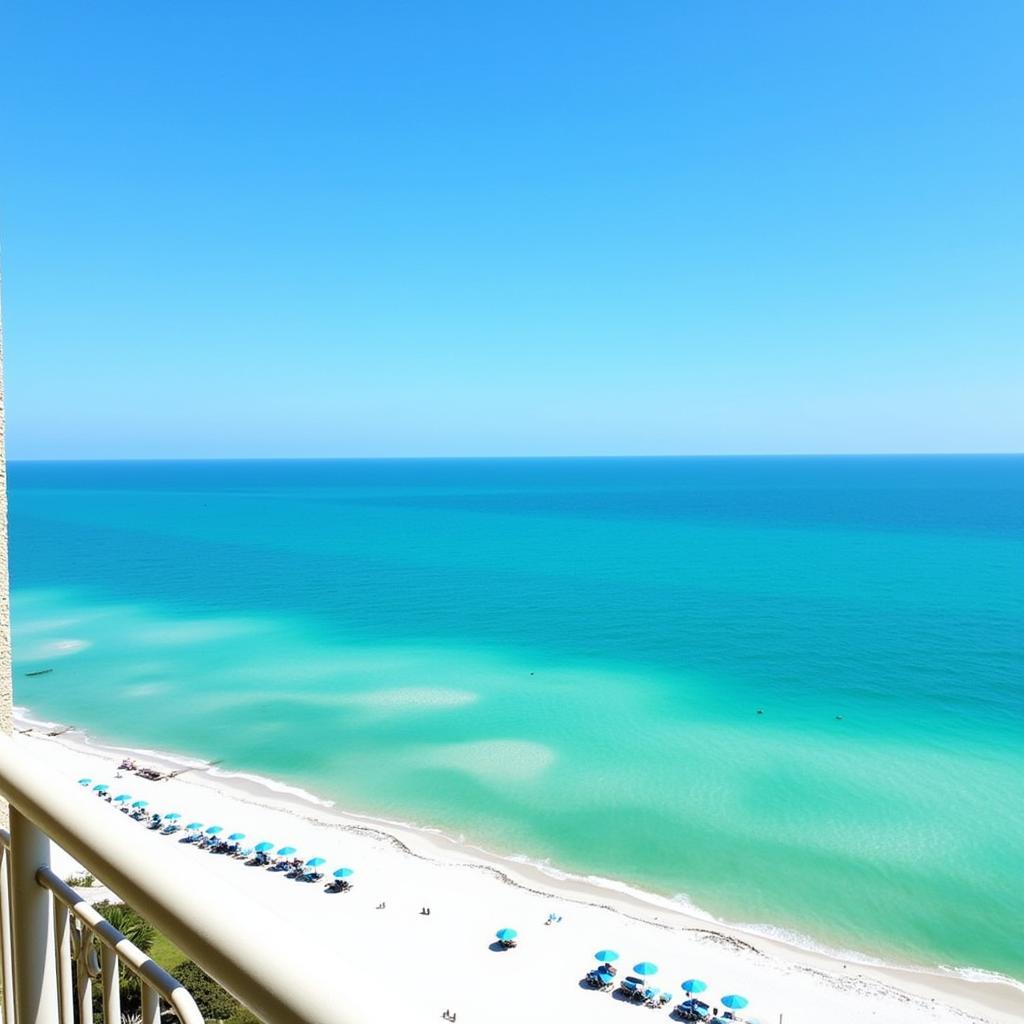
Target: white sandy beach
(427, 964)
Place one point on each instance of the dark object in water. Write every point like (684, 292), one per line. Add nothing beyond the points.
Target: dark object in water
(40, 672)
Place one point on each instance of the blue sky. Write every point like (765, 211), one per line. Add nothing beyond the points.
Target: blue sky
(537, 228)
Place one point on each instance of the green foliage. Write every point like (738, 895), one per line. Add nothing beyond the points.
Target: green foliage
(130, 924)
(80, 881)
(165, 953)
(243, 1016)
(213, 1002)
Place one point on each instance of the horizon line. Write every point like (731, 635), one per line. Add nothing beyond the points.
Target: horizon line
(512, 458)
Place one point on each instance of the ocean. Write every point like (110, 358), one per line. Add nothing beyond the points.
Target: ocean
(786, 691)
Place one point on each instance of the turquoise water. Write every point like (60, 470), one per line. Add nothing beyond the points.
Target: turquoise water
(565, 659)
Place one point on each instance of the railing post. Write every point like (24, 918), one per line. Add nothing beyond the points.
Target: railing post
(65, 982)
(111, 986)
(6, 950)
(150, 1006)
(35, 965)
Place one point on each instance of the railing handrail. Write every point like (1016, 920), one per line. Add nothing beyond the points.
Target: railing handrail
(223, 933)
(141, 964)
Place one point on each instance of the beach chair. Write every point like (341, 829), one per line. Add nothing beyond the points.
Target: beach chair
(629, 986)
(693, 1009)
(650, 996)
(169, 830)
(508, 943)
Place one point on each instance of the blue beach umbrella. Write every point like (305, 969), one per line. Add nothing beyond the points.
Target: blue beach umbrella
(286, 851)
(606, 956)
(263, 847)
(734, 1002)
(236, 837)
(694, 985)
(173, 816)
(193, 825)
(506, 934)
(85, 782)
(315, 862)
(645, 967)
(343, 873)
(121, 797)
(101, 788)
(141, 803)
(213, 830)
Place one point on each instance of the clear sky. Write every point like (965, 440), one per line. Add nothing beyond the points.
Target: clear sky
(430, 228)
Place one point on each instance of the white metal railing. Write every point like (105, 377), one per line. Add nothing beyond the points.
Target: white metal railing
(45, 926)
(97, 949)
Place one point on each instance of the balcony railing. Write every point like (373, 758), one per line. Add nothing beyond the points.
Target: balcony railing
(45, 925)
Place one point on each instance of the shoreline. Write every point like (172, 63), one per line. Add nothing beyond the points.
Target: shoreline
(982, 997)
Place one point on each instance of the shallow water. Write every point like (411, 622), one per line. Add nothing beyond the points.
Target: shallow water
(565, 659)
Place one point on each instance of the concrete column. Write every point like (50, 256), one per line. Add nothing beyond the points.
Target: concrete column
(35, 962)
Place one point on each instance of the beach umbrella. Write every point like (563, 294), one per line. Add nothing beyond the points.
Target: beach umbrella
(506, 934)
(644, 968)
(101, 788)
(263, 847)
(141, 803)
(213, 830)
(121, 797)
(315, 862)
(85, 782)
(173, 816)
(343, 873)
(193, 825)
(286, 851)
(606, 956)
(694, 985)
(236, 837)
(734, 1002)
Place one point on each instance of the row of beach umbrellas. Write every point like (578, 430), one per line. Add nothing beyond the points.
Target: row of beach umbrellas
(214, 830)
(692, 985)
